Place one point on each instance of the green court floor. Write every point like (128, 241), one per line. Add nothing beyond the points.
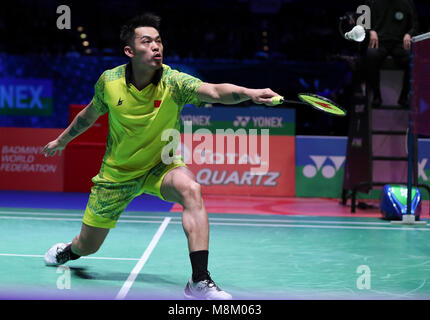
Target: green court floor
(251, 256)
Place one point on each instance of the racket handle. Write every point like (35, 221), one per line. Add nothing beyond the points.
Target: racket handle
(277, 100)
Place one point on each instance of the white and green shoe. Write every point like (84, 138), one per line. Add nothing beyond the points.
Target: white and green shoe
(205, 290)
(56, 255)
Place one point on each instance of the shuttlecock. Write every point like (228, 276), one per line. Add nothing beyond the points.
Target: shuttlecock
(356, 34)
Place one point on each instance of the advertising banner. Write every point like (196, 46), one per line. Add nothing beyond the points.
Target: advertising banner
(424, 165)
(238, 151)
(22, 165)
(320, 166)
(26, 96)
(420, 84)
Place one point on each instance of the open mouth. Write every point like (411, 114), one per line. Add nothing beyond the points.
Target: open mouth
(157, 56)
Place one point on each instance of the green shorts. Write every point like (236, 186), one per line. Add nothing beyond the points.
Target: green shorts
(109, 199)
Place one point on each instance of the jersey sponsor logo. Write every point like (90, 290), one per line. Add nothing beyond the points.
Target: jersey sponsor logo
(119, 101)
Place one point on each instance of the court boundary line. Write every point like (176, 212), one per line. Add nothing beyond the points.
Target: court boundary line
(292, 224)
(41, 256)
(145, 256)
(58, 214)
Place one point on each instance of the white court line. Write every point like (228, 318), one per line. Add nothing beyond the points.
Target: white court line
(211, 219)
(129, 282)
(268, 224)
(41, 256)
(55, 214)
(315, 226)
(73, 219)
(62, 214)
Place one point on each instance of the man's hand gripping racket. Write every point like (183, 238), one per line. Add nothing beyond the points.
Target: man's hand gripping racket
(317, 102)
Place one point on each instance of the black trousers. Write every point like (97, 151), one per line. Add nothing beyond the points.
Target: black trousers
(375, 58)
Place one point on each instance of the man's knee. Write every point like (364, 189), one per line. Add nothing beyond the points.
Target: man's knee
(192, 194)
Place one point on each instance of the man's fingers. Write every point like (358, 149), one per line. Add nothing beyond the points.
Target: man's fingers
(50, 152)
(270, 93)
(373, 44)
(266, 101)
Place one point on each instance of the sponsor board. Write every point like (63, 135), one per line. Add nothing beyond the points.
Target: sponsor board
(22, 165)
(424, 165)
(26, 96)
(278, 121)
(255, 155)
(320, 162)
(319, 166)
(233, 172)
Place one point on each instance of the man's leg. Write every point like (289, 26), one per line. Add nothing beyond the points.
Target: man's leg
(89, 240)
(401, 57)
(374, 59)
(180, 186)
(106, 203)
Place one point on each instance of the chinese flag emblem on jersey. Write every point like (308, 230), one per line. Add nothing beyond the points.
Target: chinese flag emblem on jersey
(157, 103)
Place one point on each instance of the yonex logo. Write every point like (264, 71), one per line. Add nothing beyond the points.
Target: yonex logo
(328, 171)
(241, 121)
(120, 102)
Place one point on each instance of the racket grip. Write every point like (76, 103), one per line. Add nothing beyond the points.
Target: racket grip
(277, 100)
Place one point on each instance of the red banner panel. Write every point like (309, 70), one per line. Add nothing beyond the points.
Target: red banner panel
(22, 165)
(81, 163)
(267, 170)
(421, 86)
(97, 133)
(84, 154)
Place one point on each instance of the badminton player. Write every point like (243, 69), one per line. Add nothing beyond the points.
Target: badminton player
(143, 98)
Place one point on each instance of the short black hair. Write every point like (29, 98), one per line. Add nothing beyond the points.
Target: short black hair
(144, 20)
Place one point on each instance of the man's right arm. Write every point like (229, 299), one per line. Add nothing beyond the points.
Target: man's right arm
(83, 120)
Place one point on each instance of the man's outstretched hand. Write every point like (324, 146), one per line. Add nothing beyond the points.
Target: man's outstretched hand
(52, 147)
(262, 96)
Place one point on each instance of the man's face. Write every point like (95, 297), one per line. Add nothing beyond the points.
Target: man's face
(147, 48)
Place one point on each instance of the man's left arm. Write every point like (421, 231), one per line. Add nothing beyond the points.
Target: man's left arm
(226, 93)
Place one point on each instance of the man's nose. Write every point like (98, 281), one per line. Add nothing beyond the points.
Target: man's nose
(155, 46)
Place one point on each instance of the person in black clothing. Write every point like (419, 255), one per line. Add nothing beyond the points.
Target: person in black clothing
(393, 23)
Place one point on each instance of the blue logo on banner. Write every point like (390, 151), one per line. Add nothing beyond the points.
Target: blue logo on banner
(25, 96)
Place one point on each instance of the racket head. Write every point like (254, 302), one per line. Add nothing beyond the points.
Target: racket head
(322, 104)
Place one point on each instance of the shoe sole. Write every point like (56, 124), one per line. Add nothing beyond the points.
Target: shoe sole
(191, 297)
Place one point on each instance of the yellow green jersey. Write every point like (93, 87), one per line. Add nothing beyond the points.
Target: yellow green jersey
(137, 118)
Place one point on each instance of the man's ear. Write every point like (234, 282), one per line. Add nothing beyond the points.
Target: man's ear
(129, 52)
